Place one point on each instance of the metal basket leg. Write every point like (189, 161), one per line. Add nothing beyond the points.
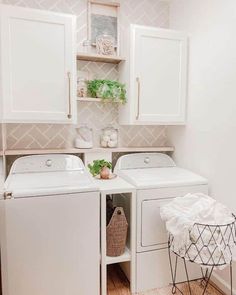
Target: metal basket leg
(207, 278)
(187, 276)
(231, 277)
(173, 271)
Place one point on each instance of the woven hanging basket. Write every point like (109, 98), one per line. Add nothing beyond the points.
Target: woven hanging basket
(117, 233)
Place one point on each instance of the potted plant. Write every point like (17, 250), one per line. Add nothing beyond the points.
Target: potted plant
(107, 90)
(100, 167)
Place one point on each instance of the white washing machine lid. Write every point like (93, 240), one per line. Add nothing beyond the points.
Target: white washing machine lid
(147, 178)
(155, 170)
(48, 175)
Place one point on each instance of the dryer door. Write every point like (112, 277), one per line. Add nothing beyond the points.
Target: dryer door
(151, 232)
(153, 228)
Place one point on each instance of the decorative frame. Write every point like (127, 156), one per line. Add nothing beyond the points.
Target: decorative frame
(105, 12)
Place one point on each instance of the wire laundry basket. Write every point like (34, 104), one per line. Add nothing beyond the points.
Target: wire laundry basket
(208, 245)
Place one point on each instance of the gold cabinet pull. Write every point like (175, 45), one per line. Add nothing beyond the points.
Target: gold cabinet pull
(138, 81)
(69, 94)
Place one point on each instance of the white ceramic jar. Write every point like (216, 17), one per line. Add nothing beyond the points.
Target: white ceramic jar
(109, 137)
(84, 139)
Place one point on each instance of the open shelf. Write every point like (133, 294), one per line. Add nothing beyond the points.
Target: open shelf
(123, 195)
(118, 259)
(99, 58)
(94, 99)
(117, 281)
(93, 150)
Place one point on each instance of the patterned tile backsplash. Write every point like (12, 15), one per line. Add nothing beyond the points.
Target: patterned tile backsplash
(96, 115)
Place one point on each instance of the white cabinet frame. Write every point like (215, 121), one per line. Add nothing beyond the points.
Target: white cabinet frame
(155, 74)
(38, 66)
(118, 186)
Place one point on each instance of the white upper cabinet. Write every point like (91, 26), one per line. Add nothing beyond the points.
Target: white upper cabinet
(38, 65)
(155, 75)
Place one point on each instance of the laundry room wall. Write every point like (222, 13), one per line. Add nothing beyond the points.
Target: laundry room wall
(96, 115)
(1, 147)
(207, 143)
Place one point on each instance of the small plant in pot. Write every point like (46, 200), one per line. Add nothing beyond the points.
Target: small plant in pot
(100, 167)
(107, 90)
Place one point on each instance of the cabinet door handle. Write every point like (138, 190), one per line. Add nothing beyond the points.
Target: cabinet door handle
(138, 81)
(69, 115)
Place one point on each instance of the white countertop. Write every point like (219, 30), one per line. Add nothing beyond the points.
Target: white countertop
(112, 186)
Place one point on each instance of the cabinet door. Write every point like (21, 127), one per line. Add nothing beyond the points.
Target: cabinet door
(48, 245)
(159, 81)
(38, 65)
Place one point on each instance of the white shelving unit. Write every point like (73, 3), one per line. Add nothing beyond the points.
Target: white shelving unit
(112, 187)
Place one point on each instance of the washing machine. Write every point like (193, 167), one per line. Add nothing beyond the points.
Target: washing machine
(50, 228)
(157, 180)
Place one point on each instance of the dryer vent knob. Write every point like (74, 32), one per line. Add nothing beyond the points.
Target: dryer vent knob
(49, 163)
(147, 160)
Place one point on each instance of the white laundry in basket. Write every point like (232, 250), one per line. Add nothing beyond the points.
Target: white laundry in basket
(183, 213)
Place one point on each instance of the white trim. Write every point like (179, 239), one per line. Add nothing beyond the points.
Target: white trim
(222, 284)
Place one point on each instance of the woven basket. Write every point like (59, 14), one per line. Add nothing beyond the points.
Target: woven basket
(117, 233)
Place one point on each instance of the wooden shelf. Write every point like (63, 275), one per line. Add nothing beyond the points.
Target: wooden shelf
(118, 259)
(99, 58)
(93, 150)
(115, 4)
(94, 99)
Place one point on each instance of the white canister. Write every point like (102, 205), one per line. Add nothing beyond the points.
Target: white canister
(84, 139)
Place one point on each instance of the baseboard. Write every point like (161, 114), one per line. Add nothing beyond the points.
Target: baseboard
(222, 284)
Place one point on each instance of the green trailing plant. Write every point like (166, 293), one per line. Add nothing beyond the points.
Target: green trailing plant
(97, 166)
(107, 90)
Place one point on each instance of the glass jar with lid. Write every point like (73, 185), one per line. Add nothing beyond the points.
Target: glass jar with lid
(81, 87)
(109, 137)
(105, 44)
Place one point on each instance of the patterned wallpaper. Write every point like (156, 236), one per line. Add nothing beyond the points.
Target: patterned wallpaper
(96, 115)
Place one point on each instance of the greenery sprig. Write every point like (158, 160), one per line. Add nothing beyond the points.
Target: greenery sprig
(107, 90)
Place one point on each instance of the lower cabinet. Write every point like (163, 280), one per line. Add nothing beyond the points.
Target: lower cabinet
(51, 245)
